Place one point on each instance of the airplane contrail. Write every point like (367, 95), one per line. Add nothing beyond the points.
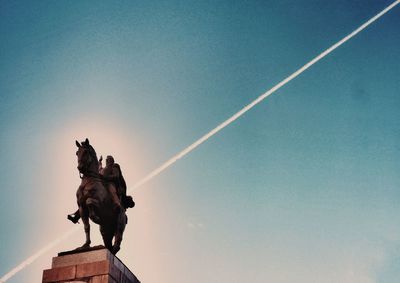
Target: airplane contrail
(35, 256)
(205, 137)
(259, 99)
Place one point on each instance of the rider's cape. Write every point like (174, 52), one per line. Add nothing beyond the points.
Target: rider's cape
(126, 201)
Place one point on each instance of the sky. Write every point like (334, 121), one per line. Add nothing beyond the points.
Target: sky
(302, 188)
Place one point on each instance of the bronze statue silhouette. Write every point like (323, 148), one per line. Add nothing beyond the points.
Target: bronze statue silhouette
(101, 197)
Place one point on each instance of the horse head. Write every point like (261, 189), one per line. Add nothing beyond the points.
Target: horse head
(87, 158)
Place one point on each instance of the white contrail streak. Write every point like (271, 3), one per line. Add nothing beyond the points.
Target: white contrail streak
(210, 134)
(32, 258)
(259, 99)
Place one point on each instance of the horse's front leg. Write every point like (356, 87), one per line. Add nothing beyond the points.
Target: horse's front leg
(85, 219)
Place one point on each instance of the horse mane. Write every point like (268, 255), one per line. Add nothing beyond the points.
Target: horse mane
(92, 152)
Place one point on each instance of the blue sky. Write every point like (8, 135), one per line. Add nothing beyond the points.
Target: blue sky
(303, 188)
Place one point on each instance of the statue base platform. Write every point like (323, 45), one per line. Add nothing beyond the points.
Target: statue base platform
(92, 265)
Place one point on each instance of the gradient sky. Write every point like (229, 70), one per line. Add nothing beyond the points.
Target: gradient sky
(304, 188)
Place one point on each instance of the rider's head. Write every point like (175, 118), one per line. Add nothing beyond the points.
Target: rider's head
(109, 160)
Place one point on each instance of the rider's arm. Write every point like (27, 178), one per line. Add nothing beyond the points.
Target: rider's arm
(113, 177)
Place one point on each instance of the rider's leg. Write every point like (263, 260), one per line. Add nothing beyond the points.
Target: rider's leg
(114, 196)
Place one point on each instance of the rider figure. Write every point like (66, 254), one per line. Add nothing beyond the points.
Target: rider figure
(115, 183)
(112, 175)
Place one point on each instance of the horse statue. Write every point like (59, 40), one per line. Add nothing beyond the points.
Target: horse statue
(95, 202)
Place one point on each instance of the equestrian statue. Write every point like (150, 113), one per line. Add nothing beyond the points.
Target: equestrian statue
(101, 197)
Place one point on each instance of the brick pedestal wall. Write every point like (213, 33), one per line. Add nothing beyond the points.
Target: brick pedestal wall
(96, 266)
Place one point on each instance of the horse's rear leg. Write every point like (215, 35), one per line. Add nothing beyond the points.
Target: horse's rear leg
(107, 237)
(119, 232)
(117, 242)
(85, 219)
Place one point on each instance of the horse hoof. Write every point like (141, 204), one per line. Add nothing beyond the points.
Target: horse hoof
(115, 250)
(73, 218)
(83, 247)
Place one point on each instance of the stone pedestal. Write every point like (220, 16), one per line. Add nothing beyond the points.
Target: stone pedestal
(93, 266)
